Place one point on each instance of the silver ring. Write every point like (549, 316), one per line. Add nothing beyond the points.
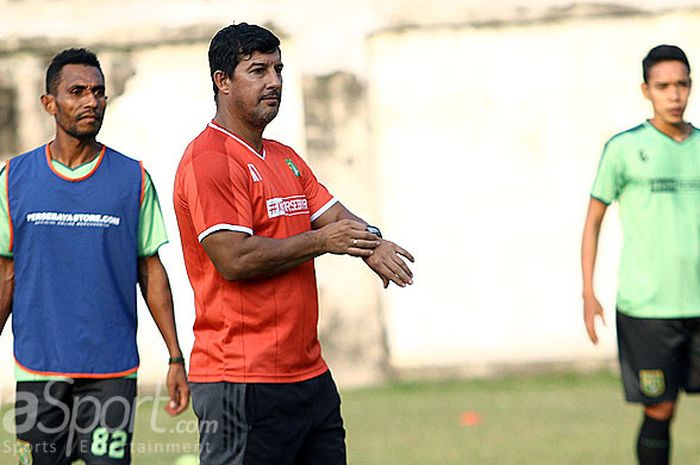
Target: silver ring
(354, 242)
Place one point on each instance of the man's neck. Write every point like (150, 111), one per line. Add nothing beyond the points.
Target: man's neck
(678, 132)
(73, 152)
(252, 136)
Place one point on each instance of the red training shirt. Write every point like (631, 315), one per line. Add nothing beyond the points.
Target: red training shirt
(260, 330)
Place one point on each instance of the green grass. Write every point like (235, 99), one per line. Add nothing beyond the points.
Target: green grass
(555, 419)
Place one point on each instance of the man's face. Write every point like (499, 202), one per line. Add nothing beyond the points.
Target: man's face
(668, 88)
(256, 88)
(79, 101)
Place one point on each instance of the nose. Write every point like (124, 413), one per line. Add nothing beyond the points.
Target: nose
(274, 79)
(675, 93)
(91, 100)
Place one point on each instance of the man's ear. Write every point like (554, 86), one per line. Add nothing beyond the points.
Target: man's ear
(645, 91)
(49, 102)
(222, 82)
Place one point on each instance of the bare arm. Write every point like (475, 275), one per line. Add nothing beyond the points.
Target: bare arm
(7, 286)
(589, 251)
(385, 260)
(239, 256)
(155, 289)
(337, 212)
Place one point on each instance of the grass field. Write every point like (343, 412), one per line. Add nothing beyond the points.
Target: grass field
(544, 420)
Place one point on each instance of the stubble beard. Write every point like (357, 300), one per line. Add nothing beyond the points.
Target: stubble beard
(261, 117)
(83, 135)
(73, 130)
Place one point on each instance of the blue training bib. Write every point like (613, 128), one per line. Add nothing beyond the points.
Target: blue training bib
(76, 265)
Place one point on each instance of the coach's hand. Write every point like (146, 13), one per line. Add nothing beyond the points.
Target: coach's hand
(178, 389)
(347, 237)
(386, 261)
(591, 310)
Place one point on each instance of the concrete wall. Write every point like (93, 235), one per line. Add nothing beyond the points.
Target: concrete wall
(160, 98)
(487, 140)
(471, 143)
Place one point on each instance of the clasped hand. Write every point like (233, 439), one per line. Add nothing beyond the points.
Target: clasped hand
(348, 237)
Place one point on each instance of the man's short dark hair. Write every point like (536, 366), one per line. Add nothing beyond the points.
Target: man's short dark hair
(663, 53)
(71, 56)
(238, 42)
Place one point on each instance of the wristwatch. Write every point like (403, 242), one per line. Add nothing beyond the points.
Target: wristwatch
(373, 230)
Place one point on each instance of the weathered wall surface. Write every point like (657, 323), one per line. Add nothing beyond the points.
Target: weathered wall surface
(473, 143)
(352, 328)
(160, 98)
(490, 138)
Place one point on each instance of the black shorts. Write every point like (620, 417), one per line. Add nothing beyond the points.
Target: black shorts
(58, 422)
(658, 357)
(269, 423)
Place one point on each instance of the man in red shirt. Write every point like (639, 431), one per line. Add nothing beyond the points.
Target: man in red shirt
(252, 218)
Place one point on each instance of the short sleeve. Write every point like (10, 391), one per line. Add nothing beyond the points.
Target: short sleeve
(217, 194)
(609, 179)
(320, 200)
(152, 232)
(5, 223)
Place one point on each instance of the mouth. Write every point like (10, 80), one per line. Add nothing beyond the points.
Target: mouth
(675, 111)
(272, 98)
(89, 114)
(89, 117)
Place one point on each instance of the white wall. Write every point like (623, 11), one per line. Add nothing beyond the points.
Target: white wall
(331, 33)
(487, 142)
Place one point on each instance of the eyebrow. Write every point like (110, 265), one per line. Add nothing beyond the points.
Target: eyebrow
(677, 81)
(263, 63)
(87, 86)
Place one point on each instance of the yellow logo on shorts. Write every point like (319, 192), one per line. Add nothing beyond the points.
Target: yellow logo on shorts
(652, 382)
(24, 451)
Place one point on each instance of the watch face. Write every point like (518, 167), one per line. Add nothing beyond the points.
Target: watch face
(374, 230)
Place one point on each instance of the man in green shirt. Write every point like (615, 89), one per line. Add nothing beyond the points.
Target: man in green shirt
(653, 171)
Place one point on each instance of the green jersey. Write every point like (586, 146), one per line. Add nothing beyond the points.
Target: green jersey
(656, 181)
(152, 233)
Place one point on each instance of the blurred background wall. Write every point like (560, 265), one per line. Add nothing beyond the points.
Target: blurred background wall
(469, 131)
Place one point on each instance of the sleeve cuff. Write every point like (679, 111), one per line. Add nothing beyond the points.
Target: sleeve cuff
(224, 227)
(606, 202)
(149, 252)
(323, 209)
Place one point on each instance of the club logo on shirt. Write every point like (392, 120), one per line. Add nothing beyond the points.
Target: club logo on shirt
(292, 167)
(643, 156)
(652, 382)
(287, 206)
(91, 220)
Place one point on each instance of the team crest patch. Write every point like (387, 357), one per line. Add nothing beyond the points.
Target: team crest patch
(652, 382)
(293, 167)
(24, 452)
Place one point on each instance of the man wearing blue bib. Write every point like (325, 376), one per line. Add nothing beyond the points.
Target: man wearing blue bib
(80, 225)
